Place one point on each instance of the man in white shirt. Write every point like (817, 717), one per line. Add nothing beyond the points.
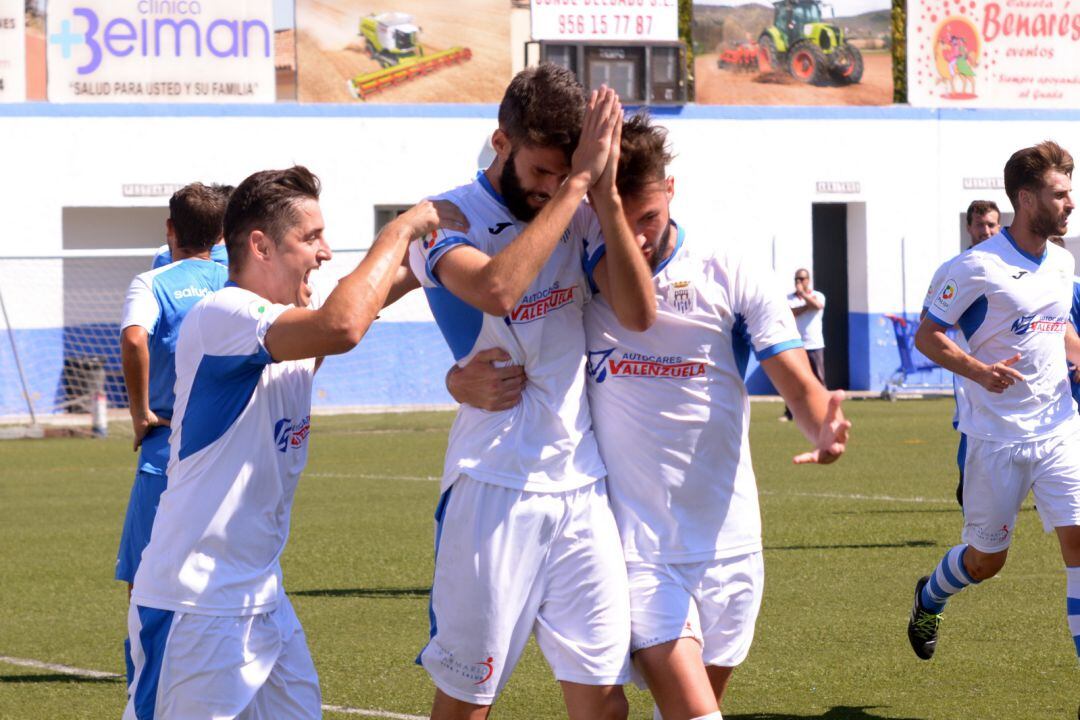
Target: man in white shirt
(1011, 297)
(212, 632)
(671, 414)
(808, 307)
(525, 539)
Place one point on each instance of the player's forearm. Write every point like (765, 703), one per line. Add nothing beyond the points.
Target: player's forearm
(404, 282)
(512, 270)
(135, 362)
(805, 396)
(629, 287)
(351, 308)
(931, 341)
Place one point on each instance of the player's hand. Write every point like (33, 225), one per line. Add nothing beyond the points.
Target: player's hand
(594, 146)
(605, 187)
(426, 216)
(1000, 376)
(833, 436)
(142, 423)
(483, 384)
(450, 216)
(1074, 374)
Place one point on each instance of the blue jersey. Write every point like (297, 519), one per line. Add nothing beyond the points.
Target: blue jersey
(1074, 315)
(218, 254)
(157, 301)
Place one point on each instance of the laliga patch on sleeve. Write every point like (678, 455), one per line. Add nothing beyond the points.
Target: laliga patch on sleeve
(945, 297)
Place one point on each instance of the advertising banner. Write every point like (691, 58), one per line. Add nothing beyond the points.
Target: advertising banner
(403, 51)
(793, 52)
(142, 51)
(990, 53)
(12, 51)
(635, 20)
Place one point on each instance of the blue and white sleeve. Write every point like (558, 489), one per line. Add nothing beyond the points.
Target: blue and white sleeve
(762, 309)
(961, 291)
(140, 306)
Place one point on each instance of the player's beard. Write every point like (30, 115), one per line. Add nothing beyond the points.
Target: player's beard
(1046, 222)
(660, 251)
(514, 194)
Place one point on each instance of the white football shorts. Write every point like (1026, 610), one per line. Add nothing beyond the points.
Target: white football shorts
(255, 667)
(998, 476)
(715, 602)
(509, 563)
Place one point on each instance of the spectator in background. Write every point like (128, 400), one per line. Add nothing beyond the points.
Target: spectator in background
(983, 221)
(808, 306)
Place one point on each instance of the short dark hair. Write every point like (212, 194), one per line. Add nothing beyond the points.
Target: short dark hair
(1027, 168)
(266, 201)
(981, 207)
(643, 155)
(196, 212)
(543, 106)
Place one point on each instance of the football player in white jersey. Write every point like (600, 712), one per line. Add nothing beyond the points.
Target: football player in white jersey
(525, 539)
(1011, 297)
(212, 632)
(983, 222)
(671, 413)
(156, 304)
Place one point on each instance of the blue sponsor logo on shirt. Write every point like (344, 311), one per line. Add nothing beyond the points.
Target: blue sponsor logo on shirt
(289, 434)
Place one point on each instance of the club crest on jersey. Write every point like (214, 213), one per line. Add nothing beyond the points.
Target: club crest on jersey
(1039, 324)
(289, 434)
(431, 239)
(681, 295)
(539, 304)
(600, 365)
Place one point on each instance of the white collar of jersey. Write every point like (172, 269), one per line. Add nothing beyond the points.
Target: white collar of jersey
(1023, 253)
(481, 178)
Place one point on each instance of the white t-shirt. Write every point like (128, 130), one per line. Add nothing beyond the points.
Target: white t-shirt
(671, 410)
(936, 282)
(238, 445)
(1006, 302)
(809, 322)
(545, 443)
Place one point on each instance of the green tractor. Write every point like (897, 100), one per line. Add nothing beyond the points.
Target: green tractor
(813, 51)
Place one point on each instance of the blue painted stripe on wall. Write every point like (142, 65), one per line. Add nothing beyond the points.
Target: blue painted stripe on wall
(395, 364)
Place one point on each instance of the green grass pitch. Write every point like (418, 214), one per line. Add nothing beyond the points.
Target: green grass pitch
(843, 547)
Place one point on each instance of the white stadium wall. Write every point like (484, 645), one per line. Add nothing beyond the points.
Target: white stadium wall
(747, 176)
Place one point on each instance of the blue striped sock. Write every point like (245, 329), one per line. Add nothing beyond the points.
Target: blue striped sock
(949, 578)
(1072, 600)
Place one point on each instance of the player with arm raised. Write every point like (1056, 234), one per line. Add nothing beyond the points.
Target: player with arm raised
(212, 632)
(526, 542)
(1011, 297)
(671, 414)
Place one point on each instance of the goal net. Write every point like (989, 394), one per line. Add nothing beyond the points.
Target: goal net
(60, 349)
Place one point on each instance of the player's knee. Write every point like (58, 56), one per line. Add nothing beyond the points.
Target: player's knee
(983, 566)
(614, 707)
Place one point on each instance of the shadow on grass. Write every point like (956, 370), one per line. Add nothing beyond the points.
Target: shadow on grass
(403, 593)
(57, 678)
(840, 712)
(911, 511)
(857, 546)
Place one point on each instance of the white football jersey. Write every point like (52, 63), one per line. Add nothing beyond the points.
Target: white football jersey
(670, 406)
(1006, 302)
(931, 292)
(239, 442)
(545, 442)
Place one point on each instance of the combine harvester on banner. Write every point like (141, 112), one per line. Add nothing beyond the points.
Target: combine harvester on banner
(391, 40)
